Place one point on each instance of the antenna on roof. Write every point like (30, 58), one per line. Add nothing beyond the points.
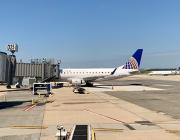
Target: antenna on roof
(12, 48)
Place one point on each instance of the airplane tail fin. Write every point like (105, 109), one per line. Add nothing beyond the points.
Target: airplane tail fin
(134, 61)
(132, 65)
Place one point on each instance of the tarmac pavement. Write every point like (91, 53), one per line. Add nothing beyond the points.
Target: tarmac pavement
(17, 116)
(111, 117)
(113, 114)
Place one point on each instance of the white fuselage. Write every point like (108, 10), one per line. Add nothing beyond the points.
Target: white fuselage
(92, 74)
(81, 73)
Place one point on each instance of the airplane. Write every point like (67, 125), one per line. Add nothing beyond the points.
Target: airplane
(78, 77)
(164, 73)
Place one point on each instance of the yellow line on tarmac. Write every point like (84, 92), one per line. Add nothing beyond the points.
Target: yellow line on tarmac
(108, 129)
(28, 127)
(174, 132)
(93, 134)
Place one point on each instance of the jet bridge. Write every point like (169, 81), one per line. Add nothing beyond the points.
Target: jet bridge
(43, 71)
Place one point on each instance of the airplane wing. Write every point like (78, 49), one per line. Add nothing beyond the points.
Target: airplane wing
(112, 77)
(92, 79)
(108, 77)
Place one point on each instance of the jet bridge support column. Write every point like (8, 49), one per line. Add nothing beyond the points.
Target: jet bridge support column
(43, 71)
(11, 70)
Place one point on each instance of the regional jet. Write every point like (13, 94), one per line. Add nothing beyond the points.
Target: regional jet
(86, 77)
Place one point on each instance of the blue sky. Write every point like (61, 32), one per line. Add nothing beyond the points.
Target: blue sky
(93, 33)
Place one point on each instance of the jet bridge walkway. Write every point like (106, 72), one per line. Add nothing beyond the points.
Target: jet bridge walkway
(40, 71)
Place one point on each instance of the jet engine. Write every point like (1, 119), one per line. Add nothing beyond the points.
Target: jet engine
(77, 81)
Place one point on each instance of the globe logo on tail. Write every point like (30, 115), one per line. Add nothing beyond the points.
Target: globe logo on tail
(131, 64)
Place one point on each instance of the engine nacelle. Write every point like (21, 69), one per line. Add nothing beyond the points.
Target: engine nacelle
(77, 81)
